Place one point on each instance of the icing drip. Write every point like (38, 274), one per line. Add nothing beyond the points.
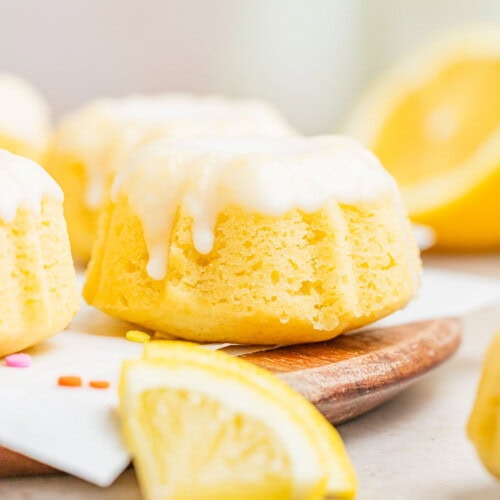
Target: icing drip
(23, 183)
(24, 113)
(105, 133)
(270, 176)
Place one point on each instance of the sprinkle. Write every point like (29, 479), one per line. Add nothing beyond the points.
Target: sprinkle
(137, 336)
(99, 384)
(69, 381)
(19, 360)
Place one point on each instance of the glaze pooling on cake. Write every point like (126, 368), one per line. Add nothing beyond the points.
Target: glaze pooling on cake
(269, 176)
(23, 183)
(95, 141)
(116, 127)
(24, 113)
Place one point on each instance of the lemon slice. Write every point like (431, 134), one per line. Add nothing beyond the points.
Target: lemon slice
(483, 427)
(204, 424)
(434, 122)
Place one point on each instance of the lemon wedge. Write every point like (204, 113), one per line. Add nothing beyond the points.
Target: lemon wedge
(483, 427)
(206, 425)
(434, 122)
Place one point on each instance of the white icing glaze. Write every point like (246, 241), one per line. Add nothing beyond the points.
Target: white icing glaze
(24, 113)
(264, 175)
(23, 183)
(105, 132)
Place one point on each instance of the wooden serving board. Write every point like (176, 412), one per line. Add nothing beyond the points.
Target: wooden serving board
(344, 377)
(352, 374)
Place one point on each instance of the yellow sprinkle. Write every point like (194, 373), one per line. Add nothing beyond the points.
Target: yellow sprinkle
(137, 336)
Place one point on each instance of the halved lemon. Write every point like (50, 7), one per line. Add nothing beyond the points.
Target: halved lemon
(483, 427)
(206, 425)
(434, 122)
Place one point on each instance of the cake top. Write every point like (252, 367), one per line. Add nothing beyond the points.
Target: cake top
(177, 112)
(24, 112)
(23, 183)
(265, 175)
(105, 132)
(209, 111)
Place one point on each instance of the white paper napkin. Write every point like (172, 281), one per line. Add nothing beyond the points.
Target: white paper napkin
(76, 430)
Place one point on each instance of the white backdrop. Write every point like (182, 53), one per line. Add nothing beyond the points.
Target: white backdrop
(310, 57)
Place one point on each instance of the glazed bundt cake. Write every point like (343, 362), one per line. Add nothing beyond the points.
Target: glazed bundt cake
(38, 296)
(263, 241)
(92, 143)
(24, 118)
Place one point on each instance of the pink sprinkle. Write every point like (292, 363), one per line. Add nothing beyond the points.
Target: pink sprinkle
(19, 360)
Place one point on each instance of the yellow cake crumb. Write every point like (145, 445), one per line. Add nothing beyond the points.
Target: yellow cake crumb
(290, 279)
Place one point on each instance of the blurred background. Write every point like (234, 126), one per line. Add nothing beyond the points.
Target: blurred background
(311, 58)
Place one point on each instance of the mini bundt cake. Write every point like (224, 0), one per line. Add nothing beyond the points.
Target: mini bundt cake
(262, 241)
(92, 143)
(38, 295)
(24, 118)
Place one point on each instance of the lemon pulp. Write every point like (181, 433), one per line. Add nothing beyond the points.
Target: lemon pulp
(231, 455)
(437, 127)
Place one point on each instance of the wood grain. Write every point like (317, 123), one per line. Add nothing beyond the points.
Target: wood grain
(344, 377)
(352, 374)
(13, 464)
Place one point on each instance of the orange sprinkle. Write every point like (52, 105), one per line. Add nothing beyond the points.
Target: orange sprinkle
(69, 381)
(99, 384)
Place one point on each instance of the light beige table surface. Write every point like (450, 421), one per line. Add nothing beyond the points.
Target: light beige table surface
(414, 447)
